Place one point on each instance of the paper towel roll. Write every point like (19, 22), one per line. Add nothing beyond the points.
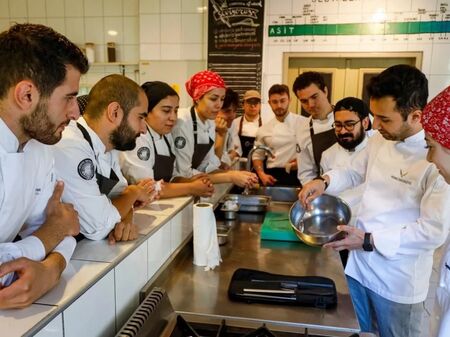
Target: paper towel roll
(206, 246)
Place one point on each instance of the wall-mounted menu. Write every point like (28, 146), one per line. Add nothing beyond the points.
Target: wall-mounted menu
(235, 42)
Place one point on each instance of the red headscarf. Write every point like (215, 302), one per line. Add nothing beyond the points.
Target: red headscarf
(202, 82)
(436, 118)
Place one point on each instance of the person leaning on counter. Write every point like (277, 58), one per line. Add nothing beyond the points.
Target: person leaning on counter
(279, 135)
(404, 214)
(87, 161)
(244, 127)
(195, 131)
(436, 123)
(316, 136)
(36, 104)
(153, 157)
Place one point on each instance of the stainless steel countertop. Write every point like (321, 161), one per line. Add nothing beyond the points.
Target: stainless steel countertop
(202, 295)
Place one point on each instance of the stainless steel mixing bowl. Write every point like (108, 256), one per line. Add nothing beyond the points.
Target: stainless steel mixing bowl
(317, 225)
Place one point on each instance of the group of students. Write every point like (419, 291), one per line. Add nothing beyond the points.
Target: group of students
(63, 175)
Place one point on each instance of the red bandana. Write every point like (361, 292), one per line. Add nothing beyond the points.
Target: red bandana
(202, 82)
(436, 118)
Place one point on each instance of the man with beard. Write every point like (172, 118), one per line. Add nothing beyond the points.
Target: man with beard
(279, 135)
(39, 76)
(404, 214)
(87, 160)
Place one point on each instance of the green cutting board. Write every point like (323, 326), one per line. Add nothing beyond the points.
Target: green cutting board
(276, 226)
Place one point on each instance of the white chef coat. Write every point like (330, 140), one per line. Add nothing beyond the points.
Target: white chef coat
(183, 137)
(98, 215)
(337, 157)
(227, 147)
(405, 205)
(442, 307)
(307, 166)
(281, 138)
(249, 129)
(138, 164)
(27, 181)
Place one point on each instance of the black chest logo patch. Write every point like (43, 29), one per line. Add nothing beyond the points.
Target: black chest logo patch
(143, 153)
(180, 142)
(86, 169)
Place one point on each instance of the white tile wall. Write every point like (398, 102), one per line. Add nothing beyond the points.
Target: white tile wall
(191, 28)
(18, 8)
(93, 8)
(94, 30)
(73, 8)
(192, 6)
(4, 9)
(75, 30)
(113, 8)
(149, 28)
(54, 8)
(130, 7)
(36, 9)
(131, 30)
(113, 23)
(149, 6)
(171, 28)
(172, 6)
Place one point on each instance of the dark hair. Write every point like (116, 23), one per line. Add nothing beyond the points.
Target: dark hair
(157, 91)
(406, 84)
(112, 88)
(38, 53)
(356, 105)
(305, 79)
(279, 89)
(231, 98)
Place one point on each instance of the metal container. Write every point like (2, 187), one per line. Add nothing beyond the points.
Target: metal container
(249, 203)
(223, 233)
(229, 213)
(278, 193)
(317, 225)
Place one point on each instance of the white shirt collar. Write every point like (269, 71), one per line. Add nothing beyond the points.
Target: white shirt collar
(8, 140)
(419, 137)
(99, 147)
(203, 125)
(330, 118)
(153, 133)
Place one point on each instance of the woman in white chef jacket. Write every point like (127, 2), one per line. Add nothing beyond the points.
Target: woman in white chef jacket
(153, 157)
(194, 133)
(436, 123)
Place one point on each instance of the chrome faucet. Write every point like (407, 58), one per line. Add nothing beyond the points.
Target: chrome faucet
(266, 149)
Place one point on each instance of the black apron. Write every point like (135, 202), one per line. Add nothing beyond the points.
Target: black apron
(104, 184)
(283, 178)
(200, 150)
(320, 142)
(163, 167)
(246, 141)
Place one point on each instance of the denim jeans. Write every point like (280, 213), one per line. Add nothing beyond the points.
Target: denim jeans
(388, 318)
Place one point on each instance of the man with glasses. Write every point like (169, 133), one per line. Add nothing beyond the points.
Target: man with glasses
(245, 127)
(279, 135)
(318, 135)
(404, 214)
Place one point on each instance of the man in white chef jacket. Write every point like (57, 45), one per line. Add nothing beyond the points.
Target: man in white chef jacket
(87, 159)
(403, 216)
(317, 135)
(40, 71)
(279, 135)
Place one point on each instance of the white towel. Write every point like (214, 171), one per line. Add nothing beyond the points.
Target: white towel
(206, 246)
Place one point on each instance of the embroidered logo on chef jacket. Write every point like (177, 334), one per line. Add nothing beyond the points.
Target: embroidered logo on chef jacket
(180, 142)
(86, 169)
(401, 178)
(143, 153)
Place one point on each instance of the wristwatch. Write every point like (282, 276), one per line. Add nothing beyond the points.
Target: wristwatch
(367, 246)
(324, 181)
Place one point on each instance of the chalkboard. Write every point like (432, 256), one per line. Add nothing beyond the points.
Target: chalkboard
(235, 41)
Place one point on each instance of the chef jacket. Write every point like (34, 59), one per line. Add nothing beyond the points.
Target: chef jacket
(249, 129)
(443, 294)
(27, 181)
(405, 207)
(76, 163)
(183, 137)
(335, 157)
(306, 165)
(281, 138)
(227, 147)
(138, 164)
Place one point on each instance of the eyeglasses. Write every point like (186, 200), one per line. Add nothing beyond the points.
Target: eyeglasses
(349, 126)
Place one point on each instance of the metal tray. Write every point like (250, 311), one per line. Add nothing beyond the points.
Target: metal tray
(249, 203)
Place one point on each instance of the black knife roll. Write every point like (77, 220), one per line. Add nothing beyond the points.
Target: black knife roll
(248, 285)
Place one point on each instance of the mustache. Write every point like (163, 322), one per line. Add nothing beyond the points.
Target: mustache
(345, 135)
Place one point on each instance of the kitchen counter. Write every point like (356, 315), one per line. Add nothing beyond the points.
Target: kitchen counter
(202, 295)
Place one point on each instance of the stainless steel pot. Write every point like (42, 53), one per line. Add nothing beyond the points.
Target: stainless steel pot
(317, 225)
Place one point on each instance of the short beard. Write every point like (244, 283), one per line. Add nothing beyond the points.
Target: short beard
(38, 125)
(123, 138)
(351, 145)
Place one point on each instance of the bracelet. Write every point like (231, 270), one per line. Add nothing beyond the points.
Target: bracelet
(324, 181)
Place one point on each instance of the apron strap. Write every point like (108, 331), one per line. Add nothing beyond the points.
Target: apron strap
(194, 123)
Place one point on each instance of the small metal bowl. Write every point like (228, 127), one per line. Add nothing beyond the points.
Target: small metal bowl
(317, 225)
(230, 214)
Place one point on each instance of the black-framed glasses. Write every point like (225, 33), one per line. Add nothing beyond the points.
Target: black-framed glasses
(349, 126)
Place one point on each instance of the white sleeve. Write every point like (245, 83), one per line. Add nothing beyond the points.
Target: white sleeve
(66, 248)
(210, 163)
(307, 170)
(259, 154)
(30, 247)
(138, 164)
(428, 232)
(184, 149)
(97, 214)
(235, 141)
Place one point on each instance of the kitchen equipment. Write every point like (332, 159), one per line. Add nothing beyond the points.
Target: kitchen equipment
(248, 203)
(229, 209)
(278, 193)
(317, 225)
(222, 234)
(276, 226)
